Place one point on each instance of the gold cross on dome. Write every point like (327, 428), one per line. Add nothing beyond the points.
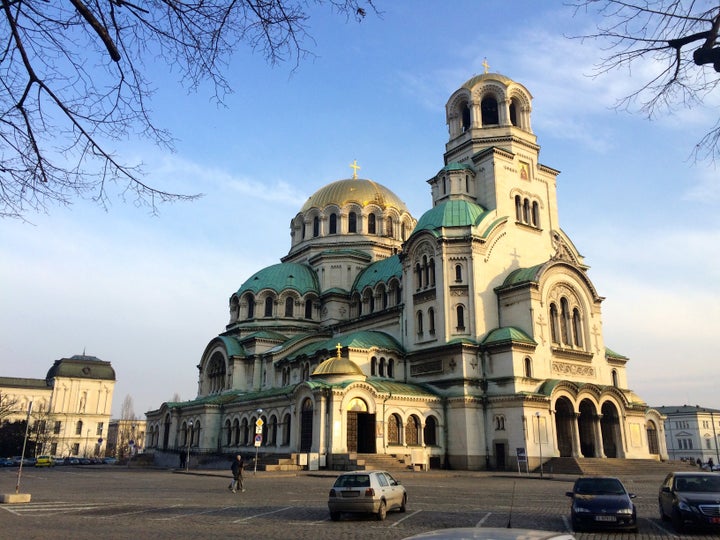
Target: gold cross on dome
(354, 166)
(485, 65)
(339, 350)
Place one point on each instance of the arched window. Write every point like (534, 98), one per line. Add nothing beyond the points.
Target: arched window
(528, 367)
(565, 321)
(467, 183)
(535, 214)
(244, 432)
(466, 123)
(554, 335)
(236, 432)
(615, 378)
(430, 431)
(316, 226)
(458, 273)
(518, 208)
(373, 366)
(489, 111)
(431, 321)
(268, 306)
(286, 430)
(577, 328)
(418, 276)
(394, 429)
(391, 368)
(419, 318)
(431, 264)
(303, 231)
(444, 185)
(526, 211)
(371, 224)
(513, 113)
(460, 318)
(499, 422)
(250, 307)
(426, 277)
(308, 309)
(289, 304)
(412, 431)
(403, 232)
(78, 427)
(389, 227)
(381, 371)
(352, 222)
(333, 223)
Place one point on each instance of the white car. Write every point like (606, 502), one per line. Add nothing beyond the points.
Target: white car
(367, 492)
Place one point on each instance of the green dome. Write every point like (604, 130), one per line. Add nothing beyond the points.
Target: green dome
(379, 271)
(280, 277)
(452, 213)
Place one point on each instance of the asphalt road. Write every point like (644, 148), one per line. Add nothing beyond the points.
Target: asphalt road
(101, 501)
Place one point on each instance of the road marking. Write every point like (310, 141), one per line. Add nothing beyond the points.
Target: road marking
(193, 514)
(49, 509)
(263, 514)
(144, 511)
(483, 520)
(661, 528)
(405, 517)
(568, 528)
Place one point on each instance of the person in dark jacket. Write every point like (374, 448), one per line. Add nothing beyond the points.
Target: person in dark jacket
(237, 471)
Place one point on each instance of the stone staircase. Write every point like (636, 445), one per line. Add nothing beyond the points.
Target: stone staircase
(611, 467)
(277, 463)
(369, 462)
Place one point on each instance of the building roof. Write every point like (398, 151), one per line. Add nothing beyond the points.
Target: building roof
(81, 366)
(379, 272)
(685, 409)
(21, 382)
(452, 213)
(354, 190)
(364, 339)
(507, 334)
(280, 277)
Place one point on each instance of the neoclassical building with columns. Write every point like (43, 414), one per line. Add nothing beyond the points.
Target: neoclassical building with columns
(455, 338)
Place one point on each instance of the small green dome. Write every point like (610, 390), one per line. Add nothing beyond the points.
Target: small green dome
(452, 213)
(280, 277)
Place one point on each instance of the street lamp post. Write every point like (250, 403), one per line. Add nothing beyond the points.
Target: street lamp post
(537, 415)
(189, 438)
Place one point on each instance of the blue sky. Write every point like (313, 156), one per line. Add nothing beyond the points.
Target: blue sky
(147, 293)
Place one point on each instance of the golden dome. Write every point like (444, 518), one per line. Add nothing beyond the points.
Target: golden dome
(337, 366)
(354, 190)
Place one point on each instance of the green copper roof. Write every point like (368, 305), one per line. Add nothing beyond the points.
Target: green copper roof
(380, 271)
(232, 346)
(522, 275)
(280, 277)
(364, 339)
(396, 388)
(612, 354)
(507, 334)
(453, 213)
(455, 166)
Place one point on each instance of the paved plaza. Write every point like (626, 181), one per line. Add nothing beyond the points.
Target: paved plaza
(117, 502)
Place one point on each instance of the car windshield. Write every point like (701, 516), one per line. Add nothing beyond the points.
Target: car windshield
(702, 484)
(353, 480)
(599, 486)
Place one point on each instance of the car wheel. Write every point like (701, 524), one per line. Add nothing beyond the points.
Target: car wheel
(403, 505)
(382, 511)
(335, 516)
(677, 521)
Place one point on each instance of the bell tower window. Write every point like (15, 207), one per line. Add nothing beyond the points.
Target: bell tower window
(352, 222)
(489, 110)
(371, 224)
(333, 224)
(466, 122)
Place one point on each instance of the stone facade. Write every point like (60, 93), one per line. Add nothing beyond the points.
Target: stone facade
(457, 338)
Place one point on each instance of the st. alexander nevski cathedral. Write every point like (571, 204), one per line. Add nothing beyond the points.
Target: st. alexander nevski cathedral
(470, 338)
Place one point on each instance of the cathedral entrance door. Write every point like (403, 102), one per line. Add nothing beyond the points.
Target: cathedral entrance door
(586, 427)
(361, 432)
(564, 418)
(610, 429)
(500, 456)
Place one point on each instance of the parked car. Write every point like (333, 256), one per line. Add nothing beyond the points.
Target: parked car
(369, 492)
(491, 533)
(59, 460)
(44, 461)
(602, 502)
(690, 498)
(73, 461)
(110, 461)
(6, 462)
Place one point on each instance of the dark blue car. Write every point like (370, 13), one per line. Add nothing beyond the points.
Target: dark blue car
(602, 502)
(690, 499)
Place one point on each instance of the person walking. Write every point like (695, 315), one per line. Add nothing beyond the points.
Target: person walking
(237, 471)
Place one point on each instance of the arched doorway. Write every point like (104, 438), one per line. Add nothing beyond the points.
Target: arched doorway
(360, 427)
(564, 419)
(166, 432)
(306, 425)
(652, 437)
(586, 428)
(610, 429)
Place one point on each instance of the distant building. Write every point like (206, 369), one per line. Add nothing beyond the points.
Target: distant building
(462, 339)
(70, 406)
(692, 432)
(125, 437)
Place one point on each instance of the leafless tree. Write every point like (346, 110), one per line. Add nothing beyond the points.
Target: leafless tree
(676, 39)
(77, 75)
(8, 405)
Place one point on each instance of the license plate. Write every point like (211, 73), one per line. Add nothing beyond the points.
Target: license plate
(350, 493)
(605, 518)
(715, 520)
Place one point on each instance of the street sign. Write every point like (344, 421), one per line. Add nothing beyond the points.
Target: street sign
(259, 422)
(131, 443)
(258, 429)
(258, 440)
(100, 440)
